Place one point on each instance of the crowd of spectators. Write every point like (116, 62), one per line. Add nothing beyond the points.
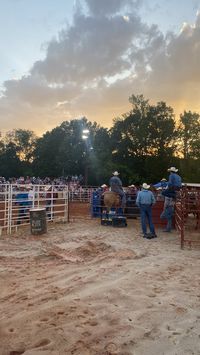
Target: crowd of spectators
(75, 184)
(62, 180)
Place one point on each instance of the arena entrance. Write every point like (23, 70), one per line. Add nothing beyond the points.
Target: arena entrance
(80, 202)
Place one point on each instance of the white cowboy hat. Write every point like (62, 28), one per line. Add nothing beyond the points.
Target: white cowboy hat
(28, 187)
(145, 186)
(173, 169)
(104, 185)
(163, 179)
(115, 173)
(132, 186)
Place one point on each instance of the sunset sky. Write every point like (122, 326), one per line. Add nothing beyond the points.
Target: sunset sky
(64, 59)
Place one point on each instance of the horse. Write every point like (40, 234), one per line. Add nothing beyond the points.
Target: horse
(111, 199)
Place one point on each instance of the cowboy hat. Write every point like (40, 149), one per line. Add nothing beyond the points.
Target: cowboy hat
(163, 179)
(115, 173)
(173, 169)
(131, 186)
(145, 186)
(104, 185)
(28, 187)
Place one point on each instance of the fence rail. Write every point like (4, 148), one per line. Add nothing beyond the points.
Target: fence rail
(187, 216)
(16, 201)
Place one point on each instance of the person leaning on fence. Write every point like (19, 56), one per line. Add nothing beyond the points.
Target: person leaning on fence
(145, 200)
(162, 184)
(23, 203)
(174, 183)
(168, 212)
(116, 186)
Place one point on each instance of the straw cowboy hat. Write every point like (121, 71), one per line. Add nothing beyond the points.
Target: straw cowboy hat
(172, 169)
(145, 186)
(163, 179)
(131, 186)
(104, 185)
(115, 173)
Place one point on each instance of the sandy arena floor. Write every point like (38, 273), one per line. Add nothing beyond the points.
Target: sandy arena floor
(86, 289)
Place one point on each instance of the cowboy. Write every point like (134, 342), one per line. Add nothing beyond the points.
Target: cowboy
(168, 212)
(162, 184)
(145, 200)
(131, 209)
(174, 183)
(104, 188)
(116, 186)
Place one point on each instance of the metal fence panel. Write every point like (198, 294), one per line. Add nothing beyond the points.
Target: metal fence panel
(16, 201)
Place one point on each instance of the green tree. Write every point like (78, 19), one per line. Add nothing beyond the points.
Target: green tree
(9, 160)
(189, 134)
(64, 152)
(24, 141)
(144, 138)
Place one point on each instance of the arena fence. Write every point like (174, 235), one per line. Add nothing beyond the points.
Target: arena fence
(81, 194)
(187, 216)
(17, 200)
(64, 203)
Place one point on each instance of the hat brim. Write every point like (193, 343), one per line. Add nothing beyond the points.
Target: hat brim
(146, 187)
(172, 170)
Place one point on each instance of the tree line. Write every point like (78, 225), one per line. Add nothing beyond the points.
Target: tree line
(141, 145)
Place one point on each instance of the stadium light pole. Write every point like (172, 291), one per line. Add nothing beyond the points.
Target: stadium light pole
(85, 136)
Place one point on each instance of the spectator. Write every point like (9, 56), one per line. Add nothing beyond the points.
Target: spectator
(23, 204)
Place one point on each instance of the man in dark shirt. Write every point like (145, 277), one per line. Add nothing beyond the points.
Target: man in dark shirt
(116, 186)
(174, 183)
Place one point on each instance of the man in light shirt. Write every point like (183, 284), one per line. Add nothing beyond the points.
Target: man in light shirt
(145, 200)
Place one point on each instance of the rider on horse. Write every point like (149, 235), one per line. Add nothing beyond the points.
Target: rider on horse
(116, 186)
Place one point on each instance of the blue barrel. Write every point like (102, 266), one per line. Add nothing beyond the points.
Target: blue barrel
(96, 204)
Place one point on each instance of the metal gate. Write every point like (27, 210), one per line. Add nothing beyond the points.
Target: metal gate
(187, 216)
(17, 199)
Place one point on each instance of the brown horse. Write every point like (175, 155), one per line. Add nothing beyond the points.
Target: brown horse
(111, 199)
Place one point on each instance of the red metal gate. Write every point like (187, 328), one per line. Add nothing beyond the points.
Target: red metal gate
(187, 215)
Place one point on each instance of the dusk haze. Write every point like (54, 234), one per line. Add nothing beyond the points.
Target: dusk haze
(65, 59)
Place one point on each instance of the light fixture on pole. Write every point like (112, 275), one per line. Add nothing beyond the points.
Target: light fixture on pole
(85, 136)
(85, 131)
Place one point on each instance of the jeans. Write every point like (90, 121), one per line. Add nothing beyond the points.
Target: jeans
(146, 216)
(168, 214)
(169, 193)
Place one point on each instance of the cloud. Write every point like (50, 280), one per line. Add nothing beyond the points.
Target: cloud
(104, 7)
(95, 64)
(175, 67)
(90, 49)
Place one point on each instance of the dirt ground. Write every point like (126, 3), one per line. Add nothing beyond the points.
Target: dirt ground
(87, 289)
